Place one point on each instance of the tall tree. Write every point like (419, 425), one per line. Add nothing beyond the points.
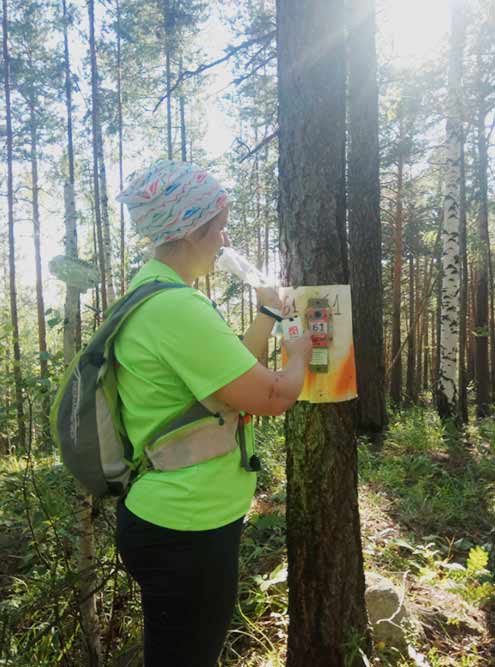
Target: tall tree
(482, 373)
(95, 118)
(72, 315)
(10, 206)
(326, 579)
(364, 216)
(396, 373)
(447, 388)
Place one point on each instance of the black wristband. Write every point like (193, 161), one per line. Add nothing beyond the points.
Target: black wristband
(267, 311)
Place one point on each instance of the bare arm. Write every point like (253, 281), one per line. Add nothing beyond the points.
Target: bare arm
(261, 391)
(256, 337)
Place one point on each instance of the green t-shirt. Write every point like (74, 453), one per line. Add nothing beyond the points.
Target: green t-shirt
(173, 350)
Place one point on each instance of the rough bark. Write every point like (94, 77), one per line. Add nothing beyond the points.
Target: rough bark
(447, 387)
(40, 302)
(182, 115)
(396, 375)
(463, 298)
(364, 217)
(481, 322)
(72, 314)
(120, 121)
(96, 178)
(326, 580)
(168, 24)
(21, 426)
(411, 339)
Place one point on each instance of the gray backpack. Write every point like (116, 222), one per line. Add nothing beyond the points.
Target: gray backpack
(85, 417)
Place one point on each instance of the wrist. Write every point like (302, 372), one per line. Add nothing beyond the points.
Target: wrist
(270, 311)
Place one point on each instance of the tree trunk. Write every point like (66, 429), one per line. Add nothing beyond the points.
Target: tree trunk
(95, 135)
(21, 426)
(121, 153)
(420, 331)
(463, 300)
(72, 313)
(481, 323)
(447, 389)
(168, 23)
(182, 113)
(396, 375)
(40, 304)
(102, 174)
(411, 339)
(364, 217)
(326, 579)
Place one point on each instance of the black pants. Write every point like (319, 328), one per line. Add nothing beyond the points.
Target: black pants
(188, 586)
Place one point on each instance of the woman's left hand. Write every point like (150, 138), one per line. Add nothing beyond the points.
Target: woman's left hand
(268, 296)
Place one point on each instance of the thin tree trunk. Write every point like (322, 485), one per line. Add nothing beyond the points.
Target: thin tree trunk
(396, 376)
(447, 389)
(95, 134)
(471, 325)
(481, 340)
(182, 113)
(21, 426)
(492, 329)
(420, 334)
(463, 300)
(426, 355)
(168, 23)
(411, 339)
(72, 313)
(326, 579)
(121, 152)
(40, 303)
(364, 217)
(107, 240)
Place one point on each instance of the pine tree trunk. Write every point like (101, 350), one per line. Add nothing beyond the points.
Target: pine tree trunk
(447, 389)
(420, 333)
(107, 240)
(426, 355)
(90, 623)
(40, 303)
(182, 113)
(326, 579)
(72, 313)
(463, 300)
(95, 135)
(21, 426)
(121, 153)
(411, 339)
(481, 323)
(364, 217)
(169, 22)
(396, 374)
(471, 325)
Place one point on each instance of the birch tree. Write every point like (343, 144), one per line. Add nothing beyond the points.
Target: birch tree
(447, 388)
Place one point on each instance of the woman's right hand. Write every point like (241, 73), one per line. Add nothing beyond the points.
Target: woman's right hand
(299, 347)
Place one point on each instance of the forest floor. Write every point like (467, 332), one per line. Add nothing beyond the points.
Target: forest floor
(427, 502)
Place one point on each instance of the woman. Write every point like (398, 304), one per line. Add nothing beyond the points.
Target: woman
(183, 378)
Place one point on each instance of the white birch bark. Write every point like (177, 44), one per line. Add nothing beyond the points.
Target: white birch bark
(447, 391)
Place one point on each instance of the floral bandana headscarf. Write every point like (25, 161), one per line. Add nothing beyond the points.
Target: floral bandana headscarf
(170, 199)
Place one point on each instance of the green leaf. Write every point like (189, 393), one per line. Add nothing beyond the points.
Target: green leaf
(477, 560)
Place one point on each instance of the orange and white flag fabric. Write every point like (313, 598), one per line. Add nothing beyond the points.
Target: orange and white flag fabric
(339, 383)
